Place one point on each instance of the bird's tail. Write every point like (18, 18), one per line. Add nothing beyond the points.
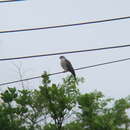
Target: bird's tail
(73, 73)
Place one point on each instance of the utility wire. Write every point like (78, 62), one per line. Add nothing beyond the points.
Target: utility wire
(81, 68)
(66, 25)
(66, 52)
(5, 1)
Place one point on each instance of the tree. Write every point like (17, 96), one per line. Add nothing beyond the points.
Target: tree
(25, 109)
(59, 99)
(8, 112)
(97, 115)
(61, 107)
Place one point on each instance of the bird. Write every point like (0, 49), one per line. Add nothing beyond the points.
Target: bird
(67, 66)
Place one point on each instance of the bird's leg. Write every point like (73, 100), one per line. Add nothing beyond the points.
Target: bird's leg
(64, 71)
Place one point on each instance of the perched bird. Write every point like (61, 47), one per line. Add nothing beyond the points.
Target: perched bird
(67, 66)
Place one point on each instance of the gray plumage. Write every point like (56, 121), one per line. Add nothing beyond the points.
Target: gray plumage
(67, 66)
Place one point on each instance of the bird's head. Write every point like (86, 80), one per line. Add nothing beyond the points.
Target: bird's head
(62, 57)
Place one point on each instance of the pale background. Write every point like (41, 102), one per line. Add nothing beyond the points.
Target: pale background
(113, 80)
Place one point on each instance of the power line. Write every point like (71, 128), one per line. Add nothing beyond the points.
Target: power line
(66, 52)
(81, 68)
(5, 1)
(65, 25)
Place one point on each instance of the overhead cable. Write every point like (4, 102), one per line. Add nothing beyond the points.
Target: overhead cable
(66, 52)
(81, 68)
(66, 25)
(5, 1)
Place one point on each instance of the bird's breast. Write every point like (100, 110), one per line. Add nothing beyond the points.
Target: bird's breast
(64, 65)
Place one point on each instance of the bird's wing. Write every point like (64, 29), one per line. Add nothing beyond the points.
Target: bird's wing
(70, 67)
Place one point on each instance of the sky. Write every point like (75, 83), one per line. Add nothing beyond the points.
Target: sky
(113, 80)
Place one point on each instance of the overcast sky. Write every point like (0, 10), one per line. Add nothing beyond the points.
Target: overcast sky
(113, 80)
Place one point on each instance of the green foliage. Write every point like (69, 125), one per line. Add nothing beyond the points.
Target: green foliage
(75, 125)
(119, 111)
(50, 126)
(8, 111)
(96, 115)
(59, 99)
(26, 109)
(9, 95)
(52, 105)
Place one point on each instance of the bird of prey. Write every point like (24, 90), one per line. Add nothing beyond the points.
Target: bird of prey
(67, 66)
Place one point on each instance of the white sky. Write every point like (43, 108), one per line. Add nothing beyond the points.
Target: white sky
(113, 80)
